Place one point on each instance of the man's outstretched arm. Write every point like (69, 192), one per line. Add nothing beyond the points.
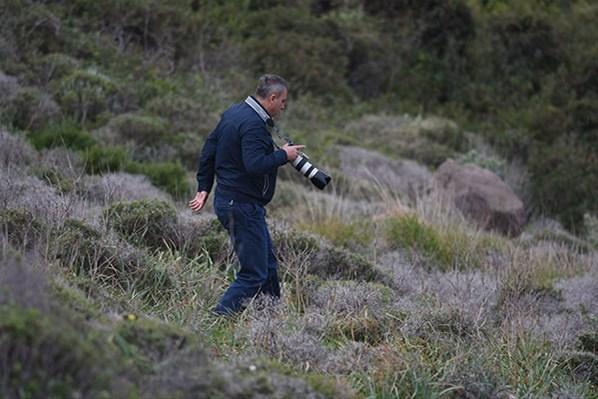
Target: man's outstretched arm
(205, 172)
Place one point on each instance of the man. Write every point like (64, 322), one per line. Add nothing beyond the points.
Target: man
(242, 155)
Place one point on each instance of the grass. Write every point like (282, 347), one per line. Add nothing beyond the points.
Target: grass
(449, 322)
(448, 249)
(352, 333)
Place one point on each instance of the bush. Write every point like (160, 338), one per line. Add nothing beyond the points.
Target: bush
(31, 108)
(194, 236)
(192, 374)
(184, 114)
(591, 228)
(105, 159)
(355, 311)
(526, 46)
(349, 235)
(53, 356)
(304, 50)
(120, 186)
(86, 252)
(447, 249)
(429, 140)
(21, 228)
(143, 130)
(322, 259)
(423, 20)
(490, 162)
(336, 263)
(65, 133)
(15, 151)
(145, 222)
(84, 94)
(169, 176)
(60, 168)
(53, 66)
(150, 342)
(565, 181)
(78, 246)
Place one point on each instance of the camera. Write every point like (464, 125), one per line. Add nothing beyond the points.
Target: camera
(307, 169)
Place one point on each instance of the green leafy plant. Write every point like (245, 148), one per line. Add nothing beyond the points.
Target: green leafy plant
(65, 133)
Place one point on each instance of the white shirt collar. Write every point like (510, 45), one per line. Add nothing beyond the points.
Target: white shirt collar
(259, 109)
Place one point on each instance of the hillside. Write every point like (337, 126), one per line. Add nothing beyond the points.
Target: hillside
(390, 289)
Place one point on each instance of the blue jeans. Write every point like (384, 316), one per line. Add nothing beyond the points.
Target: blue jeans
(246, 225)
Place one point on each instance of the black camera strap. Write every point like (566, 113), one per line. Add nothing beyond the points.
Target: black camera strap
(272, 127)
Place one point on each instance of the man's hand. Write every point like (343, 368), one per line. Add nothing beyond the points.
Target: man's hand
(292, 151)
(197, 203)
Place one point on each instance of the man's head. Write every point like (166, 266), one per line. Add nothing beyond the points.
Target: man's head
(271, 92)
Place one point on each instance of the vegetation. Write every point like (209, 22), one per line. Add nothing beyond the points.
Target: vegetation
(106, 283)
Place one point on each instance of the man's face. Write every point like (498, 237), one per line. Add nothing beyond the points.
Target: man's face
(276, 103)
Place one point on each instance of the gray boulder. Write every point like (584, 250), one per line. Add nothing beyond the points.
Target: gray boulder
(482, 197)
(402, 176)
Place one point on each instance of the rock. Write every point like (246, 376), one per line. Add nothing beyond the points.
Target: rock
(405, 177)
(482, 197)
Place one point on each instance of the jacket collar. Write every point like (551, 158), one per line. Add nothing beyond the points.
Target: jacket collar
(260, 110)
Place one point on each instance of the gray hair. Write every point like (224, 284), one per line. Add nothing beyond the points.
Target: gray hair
(270, 83)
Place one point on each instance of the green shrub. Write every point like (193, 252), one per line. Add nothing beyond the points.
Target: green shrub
(53, 66)
(53, 356)
(589, 342)
(169, 176)
(526, 45)
(322, 260)
(354, 311)
(305, 50)
(199, 235)
(408, 231)
(84, 94)
(78, 246)
(143, 130)
(145, 222)
(184, 114)
(87, 253)
(65, 133)
(19, 225)
(495, 164)
(348, 235)
(30, 108)
(528, 365)
(446, 248)
(292, 242)
(149, 342)
(565, 181)
(430, 140)
(591, 228)
(341, 264)
(105, 159)
(55, 179)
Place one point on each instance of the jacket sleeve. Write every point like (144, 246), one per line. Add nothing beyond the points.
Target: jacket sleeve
(206, 164)
(255, 145)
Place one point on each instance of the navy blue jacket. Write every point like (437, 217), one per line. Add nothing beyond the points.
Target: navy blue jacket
(241, 153)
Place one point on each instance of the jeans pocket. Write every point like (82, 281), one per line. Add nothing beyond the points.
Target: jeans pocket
(223, 203)
(224, 210)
